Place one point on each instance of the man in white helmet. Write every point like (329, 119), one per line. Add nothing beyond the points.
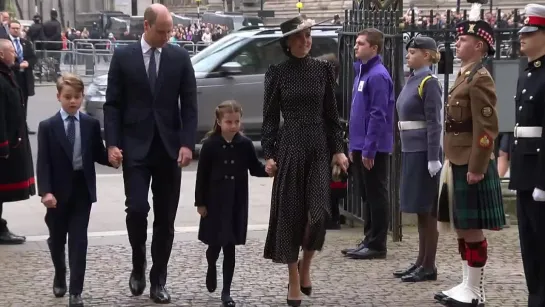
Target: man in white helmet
(528, 156)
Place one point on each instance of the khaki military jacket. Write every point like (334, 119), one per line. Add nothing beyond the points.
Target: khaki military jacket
(471, 121)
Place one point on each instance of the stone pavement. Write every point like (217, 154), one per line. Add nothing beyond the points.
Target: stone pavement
(108, 214)
(26, 274)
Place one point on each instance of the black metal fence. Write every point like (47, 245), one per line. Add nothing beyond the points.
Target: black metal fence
(393, 23)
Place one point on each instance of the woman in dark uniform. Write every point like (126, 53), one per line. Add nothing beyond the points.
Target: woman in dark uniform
(16, 168)
(303, 90)
(419, 111)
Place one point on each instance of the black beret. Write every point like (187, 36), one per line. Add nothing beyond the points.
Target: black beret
(422, 42)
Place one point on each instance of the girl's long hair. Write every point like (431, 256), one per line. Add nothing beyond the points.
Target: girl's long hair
(228, 106)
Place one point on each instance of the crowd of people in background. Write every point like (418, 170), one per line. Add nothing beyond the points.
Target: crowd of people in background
(438, 18)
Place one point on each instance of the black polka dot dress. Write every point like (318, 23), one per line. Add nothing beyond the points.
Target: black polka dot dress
(303, 92)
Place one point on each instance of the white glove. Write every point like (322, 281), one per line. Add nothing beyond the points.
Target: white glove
(434, 167)
(538, 195)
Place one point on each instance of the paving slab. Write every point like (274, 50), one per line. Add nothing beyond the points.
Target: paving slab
(27, 272)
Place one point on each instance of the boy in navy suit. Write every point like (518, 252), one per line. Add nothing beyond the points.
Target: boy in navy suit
(69, 144)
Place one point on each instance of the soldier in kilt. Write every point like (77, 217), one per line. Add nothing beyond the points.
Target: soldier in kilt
(470, 198)
(16, 168)
(528, 156)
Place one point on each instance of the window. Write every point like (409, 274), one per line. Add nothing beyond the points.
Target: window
(323, 45)
(256, 59)
(251, 55)
(213, 55)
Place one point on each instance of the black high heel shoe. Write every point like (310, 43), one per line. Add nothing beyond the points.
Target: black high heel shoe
(305, 290)
(292, 303)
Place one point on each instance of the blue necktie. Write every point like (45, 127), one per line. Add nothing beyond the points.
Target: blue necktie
(71, 130)
(152, 70)
(18, 49)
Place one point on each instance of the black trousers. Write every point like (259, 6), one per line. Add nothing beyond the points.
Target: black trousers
(165, 177)
(530, 216)
(374, 184)
(70, 218)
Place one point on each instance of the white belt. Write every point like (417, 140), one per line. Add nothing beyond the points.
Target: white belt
(411, 125)
(528, 132)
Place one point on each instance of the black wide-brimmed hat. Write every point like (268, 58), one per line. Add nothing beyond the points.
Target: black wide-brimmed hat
(293, 26)
(477, 27)
(535, 18)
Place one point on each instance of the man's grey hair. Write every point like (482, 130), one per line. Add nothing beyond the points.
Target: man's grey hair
(5, 43)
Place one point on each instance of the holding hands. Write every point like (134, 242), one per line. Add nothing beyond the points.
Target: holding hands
(115, 156)
(270, 167)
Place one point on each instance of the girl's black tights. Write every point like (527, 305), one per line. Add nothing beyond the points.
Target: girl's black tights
(212, 254)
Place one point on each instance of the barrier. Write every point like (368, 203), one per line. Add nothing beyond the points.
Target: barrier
(86, 57)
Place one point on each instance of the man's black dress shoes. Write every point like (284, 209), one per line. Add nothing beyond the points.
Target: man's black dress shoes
(421, 274)
(440, 296)
(137, 282)
(367, 253)
(59, 285)
(360, 246)
(8, 238)
(75, 300)
(407, 271)
(159, 295)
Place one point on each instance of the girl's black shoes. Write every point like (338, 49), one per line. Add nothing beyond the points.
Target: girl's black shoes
(292, 303)
(227, 301)
(211, 278)
(305, 290)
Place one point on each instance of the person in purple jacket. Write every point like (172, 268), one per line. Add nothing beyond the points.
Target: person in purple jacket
(371, 139)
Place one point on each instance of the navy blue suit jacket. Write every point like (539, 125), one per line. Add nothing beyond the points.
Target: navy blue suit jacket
(54, 166)
(133, 113)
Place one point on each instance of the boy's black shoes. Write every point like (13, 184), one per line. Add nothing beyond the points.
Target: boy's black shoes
(211, 278)
(75, 300)
(159, 295)
(137, 282)
(59, 285)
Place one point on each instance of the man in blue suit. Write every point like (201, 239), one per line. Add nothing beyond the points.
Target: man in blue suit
(69, 144)
(150, 121)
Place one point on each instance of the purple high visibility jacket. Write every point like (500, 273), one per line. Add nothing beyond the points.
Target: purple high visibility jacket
(372, 111)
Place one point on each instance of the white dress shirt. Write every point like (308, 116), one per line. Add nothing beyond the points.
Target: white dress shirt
(146, 49)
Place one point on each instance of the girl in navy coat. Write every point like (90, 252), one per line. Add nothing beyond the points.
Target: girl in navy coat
(221, 192)
(419, 110)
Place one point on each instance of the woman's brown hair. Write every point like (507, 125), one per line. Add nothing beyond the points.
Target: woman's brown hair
(228, 106)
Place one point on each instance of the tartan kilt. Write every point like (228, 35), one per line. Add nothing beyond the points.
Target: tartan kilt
(477, 206)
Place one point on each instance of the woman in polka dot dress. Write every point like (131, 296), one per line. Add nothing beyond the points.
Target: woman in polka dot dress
(302, 89)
